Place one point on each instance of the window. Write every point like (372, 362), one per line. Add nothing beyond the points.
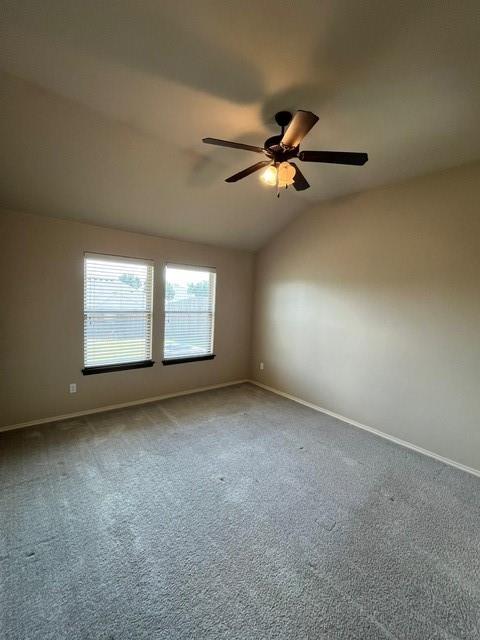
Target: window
(189, 313)
(117, 313)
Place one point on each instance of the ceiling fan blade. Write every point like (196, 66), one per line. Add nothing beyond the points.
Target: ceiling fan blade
(246, 172)
(232, 145)
(299, 181)
(337, 157)
(298, 128)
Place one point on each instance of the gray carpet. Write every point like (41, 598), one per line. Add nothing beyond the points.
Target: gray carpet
(232, 514)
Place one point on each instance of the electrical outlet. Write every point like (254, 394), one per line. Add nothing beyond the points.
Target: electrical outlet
(262, 366)
(73, 387)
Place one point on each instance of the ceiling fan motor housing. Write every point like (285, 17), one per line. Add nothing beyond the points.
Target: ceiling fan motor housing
(277, 152)
(273, 146)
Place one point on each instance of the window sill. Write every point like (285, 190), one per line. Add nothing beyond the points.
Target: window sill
(124, 366)
(187, 359)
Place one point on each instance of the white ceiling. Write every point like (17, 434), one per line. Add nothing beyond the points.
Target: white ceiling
(104, 104)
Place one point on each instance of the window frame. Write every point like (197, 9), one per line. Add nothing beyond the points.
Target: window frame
(122, 366)
(188, 267)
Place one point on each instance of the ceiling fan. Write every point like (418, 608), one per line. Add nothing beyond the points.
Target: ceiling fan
(280, 170)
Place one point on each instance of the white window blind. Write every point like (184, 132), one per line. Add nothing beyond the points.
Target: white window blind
(117, 310)
(189, 311)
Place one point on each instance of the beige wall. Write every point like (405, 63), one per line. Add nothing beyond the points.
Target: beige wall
(369, 306)
(41, 319)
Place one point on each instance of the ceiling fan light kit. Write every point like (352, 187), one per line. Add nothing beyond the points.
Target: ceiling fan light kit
(269, 176)
(280, 171)
(281, 175)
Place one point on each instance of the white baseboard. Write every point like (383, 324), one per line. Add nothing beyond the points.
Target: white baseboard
(381, 434)
(121, 405)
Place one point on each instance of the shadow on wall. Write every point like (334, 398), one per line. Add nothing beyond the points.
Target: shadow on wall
(368, 306)
(378, 238)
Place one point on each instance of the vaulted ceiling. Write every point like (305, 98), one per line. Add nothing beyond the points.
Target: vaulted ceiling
(104, 104)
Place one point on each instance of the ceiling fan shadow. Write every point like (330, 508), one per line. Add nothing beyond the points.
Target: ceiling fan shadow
(310, 97)
(354, 37)
(204, 170)
(149, 40)
(359, 35)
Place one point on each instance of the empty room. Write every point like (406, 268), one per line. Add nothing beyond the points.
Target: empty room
(240, 320)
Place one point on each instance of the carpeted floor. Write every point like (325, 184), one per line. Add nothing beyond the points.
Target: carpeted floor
(232, 514)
